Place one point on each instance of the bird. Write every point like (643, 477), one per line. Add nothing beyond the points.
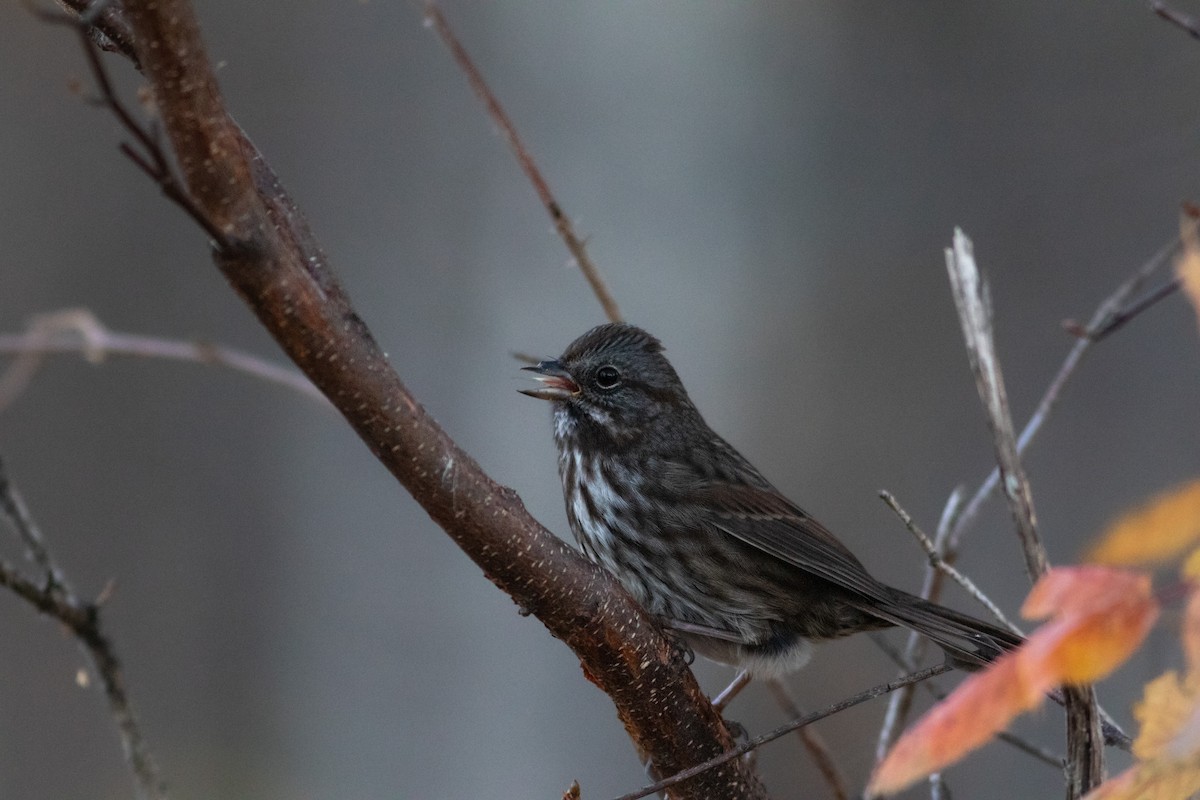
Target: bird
(698, 536)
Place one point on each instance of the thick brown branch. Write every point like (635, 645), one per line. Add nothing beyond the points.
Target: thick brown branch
(282, 275)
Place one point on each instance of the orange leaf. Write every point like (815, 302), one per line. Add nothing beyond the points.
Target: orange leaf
(1160, 530)
(1100, 616)
(1067, 590)
(984, 704)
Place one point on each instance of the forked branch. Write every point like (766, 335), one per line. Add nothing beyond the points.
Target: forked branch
(53, 596)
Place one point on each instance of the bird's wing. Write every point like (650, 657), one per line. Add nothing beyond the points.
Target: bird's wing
(763, 518)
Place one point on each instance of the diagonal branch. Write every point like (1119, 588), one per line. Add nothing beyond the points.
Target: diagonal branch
(940, 564)
(973, 299)
(275, 265)
(1187, 23)
(1112, 314)
(1085, 748)
(562, 223)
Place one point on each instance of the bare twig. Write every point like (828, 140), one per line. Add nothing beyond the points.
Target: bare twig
(726, 695)
(1111, 314)
(1098, 327)
(1185, 22)
(1124, 315)
(936, 560)
(906, 665)
(900, 703)
(151, 158)
(79, 331)
(783, 730)
(562, 223)
(55, 598)
(898, 707)
(812, 741)
(938, 790)
(1085, 761)
(14, 509)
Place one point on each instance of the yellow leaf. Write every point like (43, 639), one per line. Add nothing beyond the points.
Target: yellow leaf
(1165, 705)
(1160, 530)
(1150, 782)
(1191, 565)
(1167, 748)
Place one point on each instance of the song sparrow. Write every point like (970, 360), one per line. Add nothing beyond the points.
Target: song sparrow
(697, 535)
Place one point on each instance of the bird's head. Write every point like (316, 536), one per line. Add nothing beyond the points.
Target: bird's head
(614, 378)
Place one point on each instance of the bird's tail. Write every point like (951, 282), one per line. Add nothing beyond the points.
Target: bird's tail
(969, 643)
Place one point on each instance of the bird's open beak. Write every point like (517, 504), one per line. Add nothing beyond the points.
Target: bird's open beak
(556, 381)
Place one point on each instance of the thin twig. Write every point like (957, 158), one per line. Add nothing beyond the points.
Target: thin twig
(905, 664)
(1112, 307)
(938, 790)
(14, 508)
(783, 730)
(812, 741)
(726, 695)
(79, 331)
(562, 223)
(936, 560)
(56, 599)
(1121, 317)
(152, 159)
(900, 703)
(1185, 22)
(957, 518)
(1085, 761)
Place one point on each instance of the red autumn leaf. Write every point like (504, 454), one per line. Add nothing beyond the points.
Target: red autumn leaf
(1100, 616)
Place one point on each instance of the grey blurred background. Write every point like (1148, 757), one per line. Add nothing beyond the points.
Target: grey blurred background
(767, 186)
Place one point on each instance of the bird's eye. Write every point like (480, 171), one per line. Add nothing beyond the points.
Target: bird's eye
(607, 378)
